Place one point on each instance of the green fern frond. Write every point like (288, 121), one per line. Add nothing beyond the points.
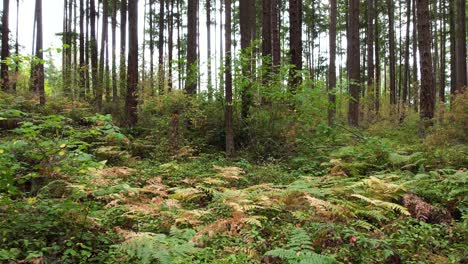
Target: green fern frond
(383, 204)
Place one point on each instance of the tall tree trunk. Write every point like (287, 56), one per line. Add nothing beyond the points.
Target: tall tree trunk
(427, 104)
(266, 38)
(102, 58)
(170, 45)
(221, 48)
(151, 44)
(5, 46)
(161, 48)
(370, 48)
(123, 47)
(114, 52)
(460, 41)
(354, 63)
(377, 61)
(295, 42)
(87, 51)
(94, 49)
(247, 29)
(208, 41)
(228, 83)
(275, 39)
(82, 68)
(332, 67)
(143, 56)
(391, 30)
(16, 46)
(38, 72)
(179, 44)
(192, 71)
(415, 64)
(407, 47)
(453, 50)
(443, 53)
(131, 101)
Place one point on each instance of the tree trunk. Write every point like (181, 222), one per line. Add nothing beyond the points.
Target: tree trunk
(170, 45)
(353, 63)
(208, 49)
(87, 51)
(332, 67)
(38, 72)
(443, 53)
(228, 83)
(377, 62)
(247, 30)
(415, 64)
(16, 47)
(406, 80)
(453, 49)
(295, 34)
(370, 48)
(131, 101)
(102, 58)
(94, 49)
(82, 80)
(192, 71)
(460, 45)
(275, 39)
(391, 29)
(114, 52)
(123, 47)
(266, 39)
(5, 46)
(427, 103)
(161, 48)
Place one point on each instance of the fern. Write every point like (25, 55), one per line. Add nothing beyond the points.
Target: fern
(148, 247)
(299, 250)
(383, 204)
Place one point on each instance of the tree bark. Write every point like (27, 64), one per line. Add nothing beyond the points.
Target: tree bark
(332, 67)
(123, 47)
(102, 58)
(131, 101)
(370, 48)
(391, 29)
(161, 48)
(38, 72)
(354, 63)
(377, 62)
(192, 71)
(170, 45)
(295, 34)
(427, 103)
(275, 39)
(114, 52)
(94, 49)
(266, 39)
(406, 80)
(5, 46)
(228, 82)
(247, 30)
(208, 49)
(415, 64)
(443, 53)
(461, 81)
(82, 76)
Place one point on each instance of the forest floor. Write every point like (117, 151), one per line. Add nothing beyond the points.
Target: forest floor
(78, 189)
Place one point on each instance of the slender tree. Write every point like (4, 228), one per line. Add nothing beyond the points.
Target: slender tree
(114, 52)
(16, 46)
(295, 42)
(123, 47)
(427, 103)
(392, 56)
(460, 45)
(332, 65)
(443, 52)
(275, 30)
(94, 48)
(208, 48)
(161, 48)
(170, 44)
(38, 67)
(370, 47)
(377, 60)
(5, 45)
(192, 72)
(354, 62)
(247, 30)
(102, 57)
(82, 69)
(406, 80)
(415, 64)
(266, 38)
(228, 82)
(453, 49)
(131, 101)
